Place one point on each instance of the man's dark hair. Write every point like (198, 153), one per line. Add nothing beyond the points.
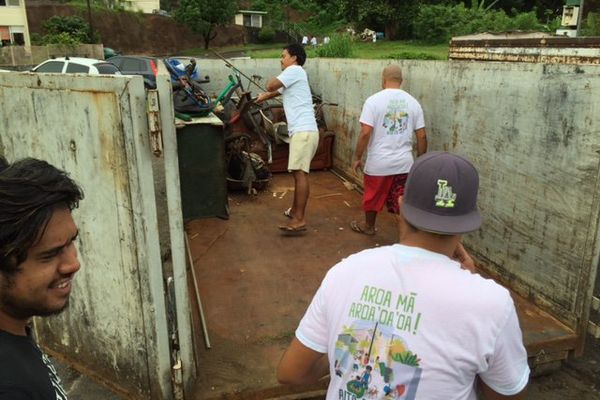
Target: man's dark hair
(296, 49)
(30, 191)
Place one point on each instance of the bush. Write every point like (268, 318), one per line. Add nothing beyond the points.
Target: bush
(591, 25)
(66, 30)
(411, 55)
(37, 39)
(527, 22)
(266, 35)
(439, 23)
(62, 38)
(340, 46)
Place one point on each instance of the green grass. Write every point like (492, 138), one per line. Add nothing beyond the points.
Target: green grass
(248, 49)
(379, 50)
(382, 49)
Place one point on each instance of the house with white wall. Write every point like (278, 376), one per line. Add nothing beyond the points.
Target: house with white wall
(13, 23)
(145, 6)
(253, 19)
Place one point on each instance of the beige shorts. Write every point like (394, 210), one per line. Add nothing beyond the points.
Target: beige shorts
(303, 147)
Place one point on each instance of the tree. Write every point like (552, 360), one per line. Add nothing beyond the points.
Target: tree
(204, 16)
(394, 16)
(69, 30)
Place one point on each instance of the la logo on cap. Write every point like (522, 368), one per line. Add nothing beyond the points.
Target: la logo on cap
(444, 197)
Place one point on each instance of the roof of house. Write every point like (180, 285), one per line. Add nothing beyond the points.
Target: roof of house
(252, 12)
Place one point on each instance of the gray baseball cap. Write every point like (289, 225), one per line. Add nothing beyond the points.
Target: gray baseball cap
(440, 195)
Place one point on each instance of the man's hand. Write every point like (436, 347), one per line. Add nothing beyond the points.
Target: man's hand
(261, 97)
(357, 166)
(464, 258)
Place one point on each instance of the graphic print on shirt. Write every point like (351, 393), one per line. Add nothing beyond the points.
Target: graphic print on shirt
(395, 119)
(60, 392)
(372, 356)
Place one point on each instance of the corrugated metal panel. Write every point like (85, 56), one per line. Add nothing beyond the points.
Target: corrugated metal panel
(96, 128)
(549, 50)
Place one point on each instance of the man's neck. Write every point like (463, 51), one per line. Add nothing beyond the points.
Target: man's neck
(424, 240)
(12, 325)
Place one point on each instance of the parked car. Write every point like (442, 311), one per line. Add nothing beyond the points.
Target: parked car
(132, 65)
(108, 53)
(77, 65)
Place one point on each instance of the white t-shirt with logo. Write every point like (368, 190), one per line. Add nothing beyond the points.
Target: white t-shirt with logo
(401, 322)
(297, 100)
(394, 116)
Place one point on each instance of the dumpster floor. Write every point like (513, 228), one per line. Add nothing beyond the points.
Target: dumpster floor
(255, 284)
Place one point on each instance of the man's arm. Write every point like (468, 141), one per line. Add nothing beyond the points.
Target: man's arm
(464, 258)
(274, 84)
(301, 365)
(421, 141)
(266, 96)
(490, 394)
(361, 145)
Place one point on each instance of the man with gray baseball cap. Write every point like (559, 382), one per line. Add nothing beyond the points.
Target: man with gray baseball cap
(408, 321)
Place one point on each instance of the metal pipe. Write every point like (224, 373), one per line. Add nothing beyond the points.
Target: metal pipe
(230, 65)
(204, 328)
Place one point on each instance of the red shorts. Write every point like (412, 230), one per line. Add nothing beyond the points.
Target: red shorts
(380, 190)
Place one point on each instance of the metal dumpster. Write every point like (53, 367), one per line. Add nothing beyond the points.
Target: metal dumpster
(201, 152)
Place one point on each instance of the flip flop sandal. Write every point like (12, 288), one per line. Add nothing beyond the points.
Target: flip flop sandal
(287, 228)
(288, 213)
(357, 228)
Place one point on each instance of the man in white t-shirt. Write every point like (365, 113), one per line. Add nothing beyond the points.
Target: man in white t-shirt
(406, 321)
(313, 41)
(293, 86)
(304, 40)
(390, 121)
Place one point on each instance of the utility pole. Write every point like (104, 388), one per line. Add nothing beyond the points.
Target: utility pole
(89, 11)
(579, 18)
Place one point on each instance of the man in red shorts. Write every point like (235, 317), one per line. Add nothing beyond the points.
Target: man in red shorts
(390, 121)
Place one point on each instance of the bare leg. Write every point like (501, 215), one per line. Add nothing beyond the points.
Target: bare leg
(368, 227)
(301, 192)
(370, 217)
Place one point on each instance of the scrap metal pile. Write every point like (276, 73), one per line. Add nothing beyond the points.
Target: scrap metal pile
(256, 136)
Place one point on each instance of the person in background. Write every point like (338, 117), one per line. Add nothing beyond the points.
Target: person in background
(38, 262)
(390, 121)
(292, 85)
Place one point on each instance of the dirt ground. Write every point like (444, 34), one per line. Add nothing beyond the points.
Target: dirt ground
(256, 283)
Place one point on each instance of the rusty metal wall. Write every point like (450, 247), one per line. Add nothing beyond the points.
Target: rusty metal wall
(533, 132)
(95, 127)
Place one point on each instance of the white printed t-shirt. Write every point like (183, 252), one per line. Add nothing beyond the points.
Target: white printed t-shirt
(401, 322)
(297, 100)
(394, 116)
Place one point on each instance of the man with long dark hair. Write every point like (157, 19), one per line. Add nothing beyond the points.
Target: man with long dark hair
(38, 261)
